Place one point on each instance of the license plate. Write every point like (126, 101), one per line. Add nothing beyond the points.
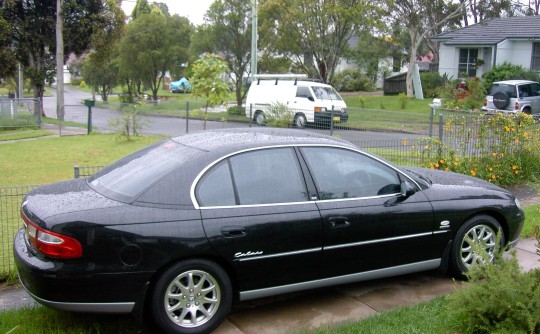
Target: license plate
(337, 118)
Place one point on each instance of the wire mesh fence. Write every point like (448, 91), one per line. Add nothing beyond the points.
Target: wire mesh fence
(17, 113)
(10, 222)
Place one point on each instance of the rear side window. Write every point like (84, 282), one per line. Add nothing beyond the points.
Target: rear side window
(510, 90)
(266, 176)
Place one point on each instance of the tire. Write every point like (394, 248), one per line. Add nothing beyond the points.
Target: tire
(501, 100)
(527, 111)
(482, 230)
(300, 121)
(260, 119)
(191, 297)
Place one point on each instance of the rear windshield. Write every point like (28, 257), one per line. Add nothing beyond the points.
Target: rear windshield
(127, 178)
(325, 93)
(509, 89)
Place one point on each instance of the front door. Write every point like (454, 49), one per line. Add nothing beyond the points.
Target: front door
(367, 223)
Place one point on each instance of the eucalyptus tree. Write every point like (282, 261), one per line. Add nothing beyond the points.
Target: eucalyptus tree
(153, 43)
(419, 20)
(314, 34)
(227, 32)
(32, 27)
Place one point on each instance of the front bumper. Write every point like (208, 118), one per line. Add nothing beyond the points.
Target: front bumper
(328, 116)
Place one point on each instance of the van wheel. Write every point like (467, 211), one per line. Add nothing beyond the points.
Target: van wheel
(527, 111)
(260, 119)
(300, 121)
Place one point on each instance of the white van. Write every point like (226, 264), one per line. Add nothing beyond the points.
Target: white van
(311, 102)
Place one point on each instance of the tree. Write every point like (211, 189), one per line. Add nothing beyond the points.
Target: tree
(33, 24)
(315, 34)
(207, 81)
(228, 33)
(481, 10)
(100, 74)
(413, 15)
(153, 43)
(7, 54)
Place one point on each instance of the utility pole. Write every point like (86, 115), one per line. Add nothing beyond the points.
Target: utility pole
(254, 37)
(59, 60)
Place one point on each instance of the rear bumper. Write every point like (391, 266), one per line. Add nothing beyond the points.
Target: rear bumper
(67, 286)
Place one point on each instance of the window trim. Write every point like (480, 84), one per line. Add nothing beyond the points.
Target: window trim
(535, 56)
(197, 179)
(469, 65)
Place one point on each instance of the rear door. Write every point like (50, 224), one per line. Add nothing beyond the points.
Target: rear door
(258, 217)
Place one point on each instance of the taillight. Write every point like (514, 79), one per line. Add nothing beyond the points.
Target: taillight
(485, 102)
(516, 106)
(49, 243)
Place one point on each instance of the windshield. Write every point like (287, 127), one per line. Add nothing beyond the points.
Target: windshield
(128, 177)
(326, 93)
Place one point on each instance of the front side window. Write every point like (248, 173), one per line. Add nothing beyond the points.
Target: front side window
(266, 176)
(341, 173)
(303, 92)
(467, 62)
(326, 93)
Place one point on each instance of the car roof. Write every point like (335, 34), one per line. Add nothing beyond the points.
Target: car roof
(245, 138)
(514, 82)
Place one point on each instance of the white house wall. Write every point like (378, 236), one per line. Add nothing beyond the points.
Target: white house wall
(515, 52)
(449, 62)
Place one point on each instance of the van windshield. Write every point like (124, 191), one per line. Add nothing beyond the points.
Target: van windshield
(326, 93)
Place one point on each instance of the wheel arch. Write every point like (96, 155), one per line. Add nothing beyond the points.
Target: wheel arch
(492, 213)
(217, 260)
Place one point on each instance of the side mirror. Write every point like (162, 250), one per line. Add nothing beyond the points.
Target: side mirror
(311, 98)
(407, 189)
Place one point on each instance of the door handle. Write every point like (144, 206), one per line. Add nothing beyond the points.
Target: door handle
(233, 232)
(339, 222)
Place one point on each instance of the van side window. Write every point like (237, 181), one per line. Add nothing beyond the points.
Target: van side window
(303, 92)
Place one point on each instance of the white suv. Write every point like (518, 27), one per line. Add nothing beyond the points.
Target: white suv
(513, 96)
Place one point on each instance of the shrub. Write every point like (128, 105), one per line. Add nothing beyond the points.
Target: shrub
(500, 299)
(236, 110)
(352, 81)
(507, 148)
(507, 71)
(130, 124)
(279, 115)
(463, 95)
(82, 84)
(432, 82)
(76, 81)
(403, 100)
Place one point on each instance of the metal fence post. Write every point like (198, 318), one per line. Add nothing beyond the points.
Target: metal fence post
(441, 127)
(250, 114)
(332, 121)
(76, 172)
(187, 116)
(431, 116)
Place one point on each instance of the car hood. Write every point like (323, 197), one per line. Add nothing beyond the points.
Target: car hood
(64, 197)
(461, 186)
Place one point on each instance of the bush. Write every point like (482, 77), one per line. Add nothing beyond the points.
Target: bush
(352, 81)
(432, 82)
(236, 110)
(510, 147)
(76, 81)
(507, 71)
(500, 299)
(463, 95)
(279, 115)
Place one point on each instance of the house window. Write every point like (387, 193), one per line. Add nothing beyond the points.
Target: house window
(535, 63)
(467, 62)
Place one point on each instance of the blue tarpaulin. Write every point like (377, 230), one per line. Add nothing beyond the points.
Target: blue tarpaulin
(181, 86)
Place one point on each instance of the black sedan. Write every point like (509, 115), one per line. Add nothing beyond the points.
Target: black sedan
(187, 226)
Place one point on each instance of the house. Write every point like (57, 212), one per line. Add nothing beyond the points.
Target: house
(474, 50)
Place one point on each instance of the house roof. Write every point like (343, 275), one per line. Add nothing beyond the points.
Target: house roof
(493, 31)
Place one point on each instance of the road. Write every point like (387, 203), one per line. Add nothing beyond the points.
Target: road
(173, 126)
